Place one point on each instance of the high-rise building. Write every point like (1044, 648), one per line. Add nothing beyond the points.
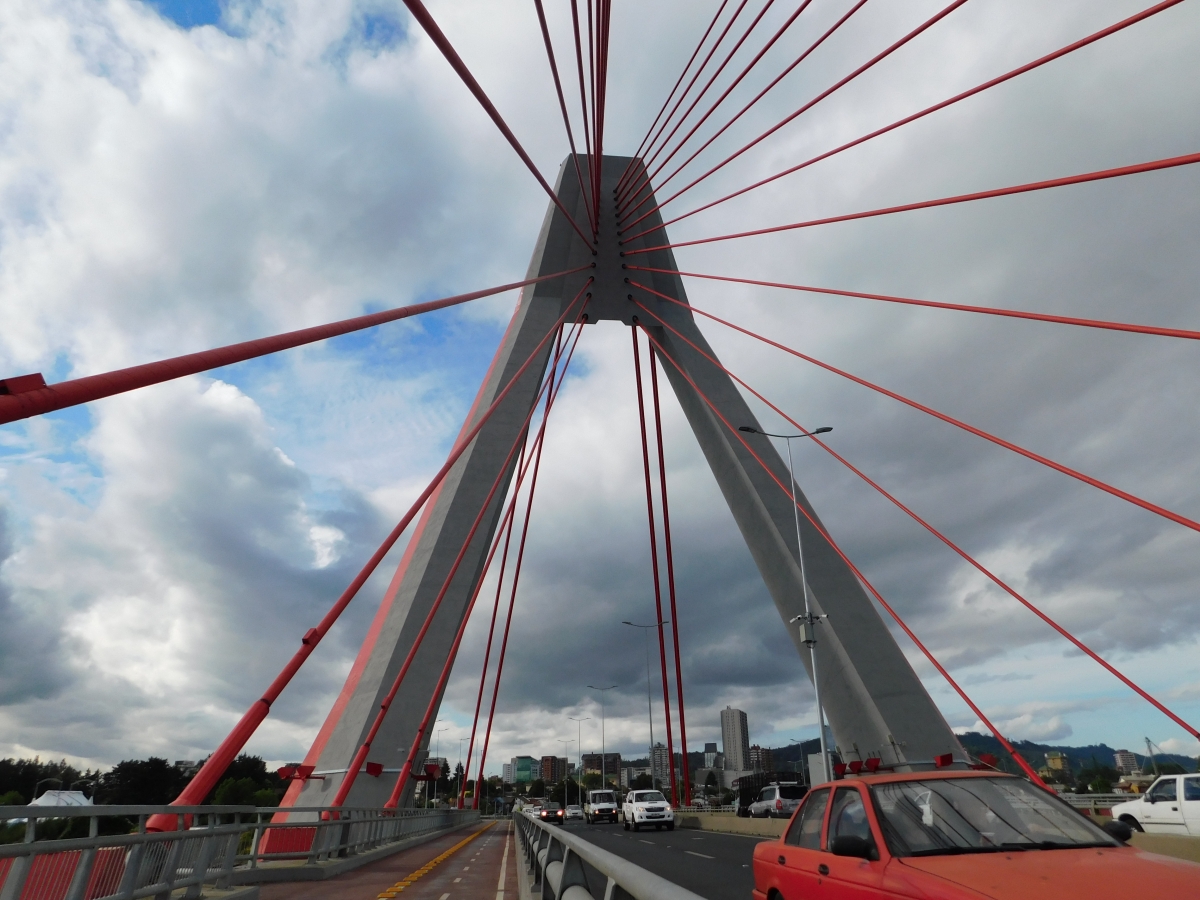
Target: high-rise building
(710, 756)
(735, 739)
(761, 759)
(506, 773)
(612, 765)
(1127, 763)
(524, 769)
(660, 766)
(553, 769)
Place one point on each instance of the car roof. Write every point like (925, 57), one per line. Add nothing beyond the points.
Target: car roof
(889, 777)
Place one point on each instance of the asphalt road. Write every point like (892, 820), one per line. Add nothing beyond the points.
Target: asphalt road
(715, 866)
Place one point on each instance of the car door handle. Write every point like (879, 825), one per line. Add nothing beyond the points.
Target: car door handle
(783, 860)
(823, 869)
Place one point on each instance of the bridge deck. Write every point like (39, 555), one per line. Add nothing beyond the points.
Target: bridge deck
(464, 865)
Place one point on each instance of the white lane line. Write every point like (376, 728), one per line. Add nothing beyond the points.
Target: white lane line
(503, 867)
(457, 880)
(694, 853)
(466, 868)
(444, 897)
(651, 843)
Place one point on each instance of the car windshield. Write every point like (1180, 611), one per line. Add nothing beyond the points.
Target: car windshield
(573, 808)
(551, 806)
(649, 797)
(978, 815)
(602, 798)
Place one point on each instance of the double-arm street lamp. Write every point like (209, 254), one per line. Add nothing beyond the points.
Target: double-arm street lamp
(649, 707)
(579, 756)
(603, 760)
(808, 631)
(567, 799)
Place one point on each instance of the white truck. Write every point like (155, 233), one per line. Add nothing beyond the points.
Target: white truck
(601, 806)
(1171, 806)
(647, 808)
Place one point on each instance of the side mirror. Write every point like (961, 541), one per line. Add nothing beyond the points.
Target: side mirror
(1149, 798)
(1118, 829)
(852, 845)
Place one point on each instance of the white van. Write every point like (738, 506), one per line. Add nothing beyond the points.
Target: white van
(601, 806)
(1171, 806)
(647, 808)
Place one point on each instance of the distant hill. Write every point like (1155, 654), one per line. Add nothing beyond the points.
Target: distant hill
(1079, 757)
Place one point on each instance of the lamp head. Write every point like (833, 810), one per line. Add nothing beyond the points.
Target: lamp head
(824, 430)
(748, 429)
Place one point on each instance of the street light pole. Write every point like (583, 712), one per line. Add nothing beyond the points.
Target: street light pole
(579, 759)
(808, 629)
(649, 707)
(603, 753)
(567, 799)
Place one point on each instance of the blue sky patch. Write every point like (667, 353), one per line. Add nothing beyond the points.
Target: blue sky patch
(188, 13)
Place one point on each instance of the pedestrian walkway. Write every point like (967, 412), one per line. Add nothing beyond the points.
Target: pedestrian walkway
(476, 862)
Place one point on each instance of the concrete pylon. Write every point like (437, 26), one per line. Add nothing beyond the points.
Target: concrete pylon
(874, 701)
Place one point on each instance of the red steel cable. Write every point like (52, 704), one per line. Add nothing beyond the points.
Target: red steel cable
(360, 756)
(626, 195)
(978, 432)
(605, 16)
(214, 767)
(928, 23)
(987, 310)
(64, 394)
(562, 104)
(583, 104)
(662, 490)
(436, 697)
(941, 537)
(516, 578)
(662, 650)
(511, 520)
(741, 112)
(1152, 166)
(736, 81)
(487, 653)
(700, 96)
(1020, 70)
(421, 14)
(637, 153)
(1033, 776)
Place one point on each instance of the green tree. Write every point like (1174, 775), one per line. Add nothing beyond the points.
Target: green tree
(642, 782)
(150, 781)
(537, 788)
(12, 798)
(236, 792)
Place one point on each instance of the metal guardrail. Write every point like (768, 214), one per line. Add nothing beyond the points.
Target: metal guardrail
(569, 868)
(217, 845)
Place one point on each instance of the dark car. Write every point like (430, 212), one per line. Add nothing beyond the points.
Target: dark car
(552, 812)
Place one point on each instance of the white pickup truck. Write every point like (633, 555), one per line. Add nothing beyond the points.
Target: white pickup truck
(601, 806)
(1171, 806)
(647, 808)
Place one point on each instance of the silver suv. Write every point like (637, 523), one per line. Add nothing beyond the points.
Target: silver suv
(777, 801)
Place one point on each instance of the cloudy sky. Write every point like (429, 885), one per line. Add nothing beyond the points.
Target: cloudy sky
(184, 174)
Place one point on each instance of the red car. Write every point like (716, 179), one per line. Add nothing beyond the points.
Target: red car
(954, 836)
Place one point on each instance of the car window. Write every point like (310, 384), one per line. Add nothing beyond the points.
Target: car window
(848, 816)
(792, 791)
(806, 826)
(649, 797)
(1164, 790)
(767, 794)
(978, 815)
(1191, 789)
(602, 798)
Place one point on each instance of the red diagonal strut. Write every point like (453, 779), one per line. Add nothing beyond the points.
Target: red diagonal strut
(988, 310)
(941, 537)
(978, 432)
(95, 387)
(662, 650)
(662, 489)
(421, 14)
(1033, 776)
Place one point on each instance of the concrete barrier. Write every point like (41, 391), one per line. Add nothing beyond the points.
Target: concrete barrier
(1177, 845)
(729, 823)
